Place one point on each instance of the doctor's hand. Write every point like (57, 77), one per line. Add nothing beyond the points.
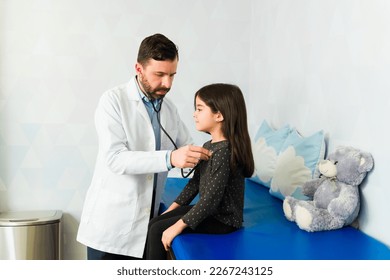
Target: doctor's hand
(189, 156)
(170, 233)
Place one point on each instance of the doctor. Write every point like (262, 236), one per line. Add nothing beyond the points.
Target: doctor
(135, 155)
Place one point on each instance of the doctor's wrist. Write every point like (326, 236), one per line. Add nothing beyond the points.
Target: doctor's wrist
(168, 160)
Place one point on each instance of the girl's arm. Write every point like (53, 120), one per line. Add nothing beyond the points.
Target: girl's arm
(190, 190)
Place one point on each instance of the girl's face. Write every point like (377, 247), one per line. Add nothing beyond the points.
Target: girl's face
(205, 119)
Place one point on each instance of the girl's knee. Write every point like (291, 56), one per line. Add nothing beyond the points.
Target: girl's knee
(155, 228)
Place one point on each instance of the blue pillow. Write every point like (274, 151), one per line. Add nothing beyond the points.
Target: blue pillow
(297, 163)
(266, 147)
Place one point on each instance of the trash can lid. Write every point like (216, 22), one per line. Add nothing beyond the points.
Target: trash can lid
(28, 218)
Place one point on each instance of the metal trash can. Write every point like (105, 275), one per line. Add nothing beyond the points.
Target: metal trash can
(30, 235)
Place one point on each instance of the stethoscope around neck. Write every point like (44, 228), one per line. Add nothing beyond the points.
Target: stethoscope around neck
(157, 110)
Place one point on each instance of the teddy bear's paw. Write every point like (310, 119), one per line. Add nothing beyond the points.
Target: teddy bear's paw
(304, 218)
(287, 210)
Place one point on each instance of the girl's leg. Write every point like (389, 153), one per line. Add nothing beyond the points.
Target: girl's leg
(182, 210)
(154, 247)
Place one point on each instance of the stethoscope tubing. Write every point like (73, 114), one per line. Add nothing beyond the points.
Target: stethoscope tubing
(170, 138)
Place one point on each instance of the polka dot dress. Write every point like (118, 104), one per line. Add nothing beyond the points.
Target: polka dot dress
(221, 192)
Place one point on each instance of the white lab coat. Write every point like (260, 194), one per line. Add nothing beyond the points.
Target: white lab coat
(118, 202)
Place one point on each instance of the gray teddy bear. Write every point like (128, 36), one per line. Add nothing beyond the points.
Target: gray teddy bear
(335, 198)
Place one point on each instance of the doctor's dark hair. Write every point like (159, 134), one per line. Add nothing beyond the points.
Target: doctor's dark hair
(229, 101)
(157, 47)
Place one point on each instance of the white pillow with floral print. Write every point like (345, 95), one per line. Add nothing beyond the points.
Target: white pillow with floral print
(266, 147)
(297, 163)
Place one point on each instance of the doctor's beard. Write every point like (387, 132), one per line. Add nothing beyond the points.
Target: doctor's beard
(151, 92)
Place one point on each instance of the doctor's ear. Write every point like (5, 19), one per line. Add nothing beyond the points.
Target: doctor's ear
(138, 68)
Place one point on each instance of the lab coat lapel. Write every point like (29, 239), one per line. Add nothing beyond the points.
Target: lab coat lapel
(142, 110)
(134, 96)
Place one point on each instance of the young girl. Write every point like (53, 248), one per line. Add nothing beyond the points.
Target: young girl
(220, 111)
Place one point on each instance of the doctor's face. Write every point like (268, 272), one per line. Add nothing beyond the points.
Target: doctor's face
(156, 77)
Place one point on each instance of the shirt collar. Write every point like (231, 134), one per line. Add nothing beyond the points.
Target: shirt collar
(141, 94)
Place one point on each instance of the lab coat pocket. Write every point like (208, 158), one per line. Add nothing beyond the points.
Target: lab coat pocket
(118, 211)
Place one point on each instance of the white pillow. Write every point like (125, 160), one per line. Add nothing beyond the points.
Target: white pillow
(297, 163)
(266, 147)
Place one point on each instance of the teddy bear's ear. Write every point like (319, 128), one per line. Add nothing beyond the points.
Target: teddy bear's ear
(366, 162)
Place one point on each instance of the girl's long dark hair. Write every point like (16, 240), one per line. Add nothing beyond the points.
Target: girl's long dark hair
(229, 101)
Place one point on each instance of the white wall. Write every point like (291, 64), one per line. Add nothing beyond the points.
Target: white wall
(313, 64)
(56, 59)
(325, 65)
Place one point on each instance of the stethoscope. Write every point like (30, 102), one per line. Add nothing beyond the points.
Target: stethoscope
(151, 99)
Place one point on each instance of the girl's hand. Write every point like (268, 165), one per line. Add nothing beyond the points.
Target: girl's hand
(173, 206)
(170, 233)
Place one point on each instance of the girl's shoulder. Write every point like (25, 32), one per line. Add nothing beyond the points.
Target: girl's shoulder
(220, 150)
(216, 145)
